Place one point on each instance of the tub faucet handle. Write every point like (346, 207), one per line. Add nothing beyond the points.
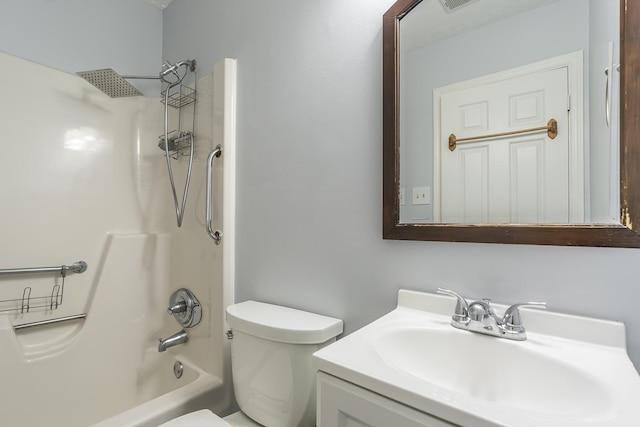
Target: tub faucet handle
(179, 307)
(185, 308)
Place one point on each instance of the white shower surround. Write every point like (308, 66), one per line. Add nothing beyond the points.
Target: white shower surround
(85, 180)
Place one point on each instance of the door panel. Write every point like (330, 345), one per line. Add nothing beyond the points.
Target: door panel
(522, 178)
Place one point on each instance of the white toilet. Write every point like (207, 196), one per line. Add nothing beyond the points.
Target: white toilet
(271, 360)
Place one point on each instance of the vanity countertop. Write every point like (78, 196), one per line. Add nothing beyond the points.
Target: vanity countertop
(571, 370)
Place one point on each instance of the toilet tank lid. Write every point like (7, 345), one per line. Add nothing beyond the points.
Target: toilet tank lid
(282, 324)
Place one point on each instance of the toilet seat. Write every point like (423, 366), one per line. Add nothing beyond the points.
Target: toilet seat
(201, 418)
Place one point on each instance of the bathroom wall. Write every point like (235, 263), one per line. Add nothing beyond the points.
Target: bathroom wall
(75, 170)
(80, 35)
(309, 200)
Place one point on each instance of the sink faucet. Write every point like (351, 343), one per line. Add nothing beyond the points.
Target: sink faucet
(175, 339)
(479, 316)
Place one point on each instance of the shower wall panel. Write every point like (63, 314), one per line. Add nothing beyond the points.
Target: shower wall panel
(78, 169)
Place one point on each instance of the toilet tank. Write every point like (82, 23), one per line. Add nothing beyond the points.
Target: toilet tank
(274, 378)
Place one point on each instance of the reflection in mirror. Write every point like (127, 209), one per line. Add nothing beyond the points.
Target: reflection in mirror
(487, 68)
(601, 222)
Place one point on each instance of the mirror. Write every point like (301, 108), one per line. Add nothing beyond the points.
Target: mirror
(607, 229)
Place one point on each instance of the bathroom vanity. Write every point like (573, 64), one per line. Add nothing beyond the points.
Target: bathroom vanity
(411, 367)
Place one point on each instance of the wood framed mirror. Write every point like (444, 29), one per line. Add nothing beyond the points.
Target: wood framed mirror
(625, 233)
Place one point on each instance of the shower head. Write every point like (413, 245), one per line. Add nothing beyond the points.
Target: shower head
(110, 82)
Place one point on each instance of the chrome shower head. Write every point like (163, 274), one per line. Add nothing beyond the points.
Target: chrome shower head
(110, 82)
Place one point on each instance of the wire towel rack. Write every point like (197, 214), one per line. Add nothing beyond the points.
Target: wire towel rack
(51, 301)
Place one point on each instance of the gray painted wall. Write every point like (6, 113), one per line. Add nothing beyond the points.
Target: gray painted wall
(80, 35)
(310, 172)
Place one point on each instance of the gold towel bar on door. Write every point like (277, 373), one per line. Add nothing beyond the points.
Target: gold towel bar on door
(551, 128)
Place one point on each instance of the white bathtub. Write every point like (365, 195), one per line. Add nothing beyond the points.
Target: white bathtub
(106, 369)
(161, 396)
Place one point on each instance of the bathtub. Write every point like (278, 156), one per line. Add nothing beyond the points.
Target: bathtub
(105, 369)
(161, 396)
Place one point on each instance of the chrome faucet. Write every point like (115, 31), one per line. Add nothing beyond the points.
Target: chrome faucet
(175, 339)
(479, 316)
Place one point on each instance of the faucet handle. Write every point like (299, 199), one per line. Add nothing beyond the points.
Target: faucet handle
(512, 321)
(461, 313)
(178, 307)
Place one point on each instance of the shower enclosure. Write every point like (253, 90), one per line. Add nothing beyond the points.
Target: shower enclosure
(87, 181)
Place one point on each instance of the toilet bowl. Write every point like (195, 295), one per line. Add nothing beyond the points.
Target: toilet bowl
(272, 367)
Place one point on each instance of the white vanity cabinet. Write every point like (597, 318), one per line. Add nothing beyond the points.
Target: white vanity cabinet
(343, 404)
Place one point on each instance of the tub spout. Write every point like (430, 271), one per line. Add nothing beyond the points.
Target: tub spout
(175, 339)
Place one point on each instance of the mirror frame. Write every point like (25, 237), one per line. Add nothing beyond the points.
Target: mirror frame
(625, 234)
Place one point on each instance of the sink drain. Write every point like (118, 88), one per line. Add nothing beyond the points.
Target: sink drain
(178, 369)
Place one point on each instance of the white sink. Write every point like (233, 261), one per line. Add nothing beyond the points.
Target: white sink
(571, 371)
(493, 369)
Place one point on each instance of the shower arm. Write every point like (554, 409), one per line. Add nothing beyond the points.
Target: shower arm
(141, 77)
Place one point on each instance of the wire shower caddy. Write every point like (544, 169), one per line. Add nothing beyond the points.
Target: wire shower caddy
(51, 301)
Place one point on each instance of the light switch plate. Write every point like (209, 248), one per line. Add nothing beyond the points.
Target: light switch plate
(421, 196)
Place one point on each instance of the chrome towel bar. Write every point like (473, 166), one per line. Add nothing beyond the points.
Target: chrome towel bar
(76, 267)
(49, 301)
(49, 321)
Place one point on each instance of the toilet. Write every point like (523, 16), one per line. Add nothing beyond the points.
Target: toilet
(274, 378)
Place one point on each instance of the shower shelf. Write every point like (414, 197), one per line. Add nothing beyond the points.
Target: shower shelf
(179, 143)
(51, 301)
(180, 96)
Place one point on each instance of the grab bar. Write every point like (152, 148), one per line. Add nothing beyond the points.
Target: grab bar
(215, 235)
(49, 321)
(76, 267)
(607, 104)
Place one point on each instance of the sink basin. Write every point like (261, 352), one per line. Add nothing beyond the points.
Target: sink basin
(570, 372)
(494, 370)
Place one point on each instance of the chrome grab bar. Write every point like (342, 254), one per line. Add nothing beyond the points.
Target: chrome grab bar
(215, 235)
(76, 267)
(49, 321)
